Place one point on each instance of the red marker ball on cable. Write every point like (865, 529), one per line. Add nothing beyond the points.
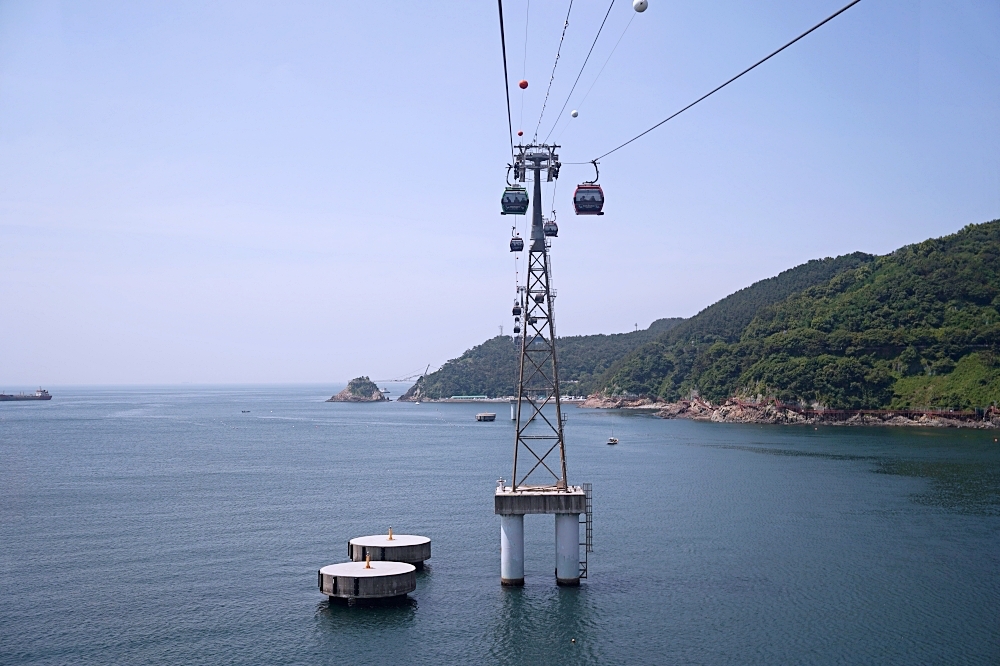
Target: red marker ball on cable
(520, 133)
(522, 84)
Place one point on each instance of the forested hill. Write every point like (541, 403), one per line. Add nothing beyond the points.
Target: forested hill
(491, 368)
(919, 327)
(662, 367)
(916, 328)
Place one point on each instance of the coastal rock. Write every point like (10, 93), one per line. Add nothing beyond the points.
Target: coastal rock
(359, 389)
(738, 411)
(415, 393)
(601, 401)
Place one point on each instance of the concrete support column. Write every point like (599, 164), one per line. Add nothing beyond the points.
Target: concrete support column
(512, 549)
(567, 548)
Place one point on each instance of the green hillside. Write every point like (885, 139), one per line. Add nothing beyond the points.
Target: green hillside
(919, 327)
(662, 367)
(491, 368)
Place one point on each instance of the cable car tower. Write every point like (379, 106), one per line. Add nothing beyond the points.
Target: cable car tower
(539, 445)
(538, 480)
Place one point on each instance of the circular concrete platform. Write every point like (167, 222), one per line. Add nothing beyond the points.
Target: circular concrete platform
(400, 548)
(380, 580)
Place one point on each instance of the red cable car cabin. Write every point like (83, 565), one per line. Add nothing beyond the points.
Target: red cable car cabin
(588, 199)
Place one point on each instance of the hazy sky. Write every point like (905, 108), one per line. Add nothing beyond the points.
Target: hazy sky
(309, 191)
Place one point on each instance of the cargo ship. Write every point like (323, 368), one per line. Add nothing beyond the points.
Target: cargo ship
(40, 394)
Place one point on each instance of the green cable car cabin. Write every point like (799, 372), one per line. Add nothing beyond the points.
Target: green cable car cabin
(514, 201)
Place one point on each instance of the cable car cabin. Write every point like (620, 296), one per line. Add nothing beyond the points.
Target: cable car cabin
(516, 244)
(516, 311)
(514, 201)
(588, 199)
(517, 329)
(550, 229)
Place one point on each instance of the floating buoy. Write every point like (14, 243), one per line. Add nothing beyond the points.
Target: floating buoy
(522, 84)
(574, 113)
(640, 5)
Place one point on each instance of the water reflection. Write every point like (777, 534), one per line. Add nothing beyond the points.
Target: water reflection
(543, 623)
(968, 487)
(381, 613)
(972, 488)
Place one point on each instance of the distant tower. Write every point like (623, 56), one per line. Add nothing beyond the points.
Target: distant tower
(538, 479)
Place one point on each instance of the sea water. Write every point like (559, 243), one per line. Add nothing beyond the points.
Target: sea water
(186, 524)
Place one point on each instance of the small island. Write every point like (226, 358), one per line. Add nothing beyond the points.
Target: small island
(359, 389)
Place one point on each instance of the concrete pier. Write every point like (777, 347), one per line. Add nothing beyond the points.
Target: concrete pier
(512, 506)
(408, 548)
(512, 550)
(567, 549)
(364, 580)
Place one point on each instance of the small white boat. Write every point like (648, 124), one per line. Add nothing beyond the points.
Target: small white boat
(486, 416)
(612, 440)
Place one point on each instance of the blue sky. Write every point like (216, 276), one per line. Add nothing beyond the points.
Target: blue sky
(309, 191)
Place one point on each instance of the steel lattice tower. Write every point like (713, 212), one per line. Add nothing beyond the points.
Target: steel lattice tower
(539, 484)
(538, 437)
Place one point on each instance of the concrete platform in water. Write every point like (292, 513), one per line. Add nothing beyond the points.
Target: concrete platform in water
(352, 581)
(408, 548)
(567, 505)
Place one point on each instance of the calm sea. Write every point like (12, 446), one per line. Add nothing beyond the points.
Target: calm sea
(166, 526)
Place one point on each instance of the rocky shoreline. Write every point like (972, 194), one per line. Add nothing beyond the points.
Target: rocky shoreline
(736, 411)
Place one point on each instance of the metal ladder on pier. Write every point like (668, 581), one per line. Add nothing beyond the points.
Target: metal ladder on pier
(588, 522)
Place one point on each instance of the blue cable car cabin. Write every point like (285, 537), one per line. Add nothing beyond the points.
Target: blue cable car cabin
(516, 244)
(550, 229)
(514, 201)
(588, 199)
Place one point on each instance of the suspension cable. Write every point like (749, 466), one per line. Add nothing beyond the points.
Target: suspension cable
(592, 45)
(601, 71)
(524, 62)
(712, 92)
(552, 78)
(506, 82)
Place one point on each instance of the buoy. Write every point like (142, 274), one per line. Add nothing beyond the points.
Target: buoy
(640, 5)
(574, 113)
(522, 84)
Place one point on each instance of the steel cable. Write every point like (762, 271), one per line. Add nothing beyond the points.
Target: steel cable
(554, 65)
(506, 81)
(601, 71)
(712, 92)
(582, 67)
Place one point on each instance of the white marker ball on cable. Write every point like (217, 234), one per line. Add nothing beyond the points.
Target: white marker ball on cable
(574, 113)
(640, 5)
